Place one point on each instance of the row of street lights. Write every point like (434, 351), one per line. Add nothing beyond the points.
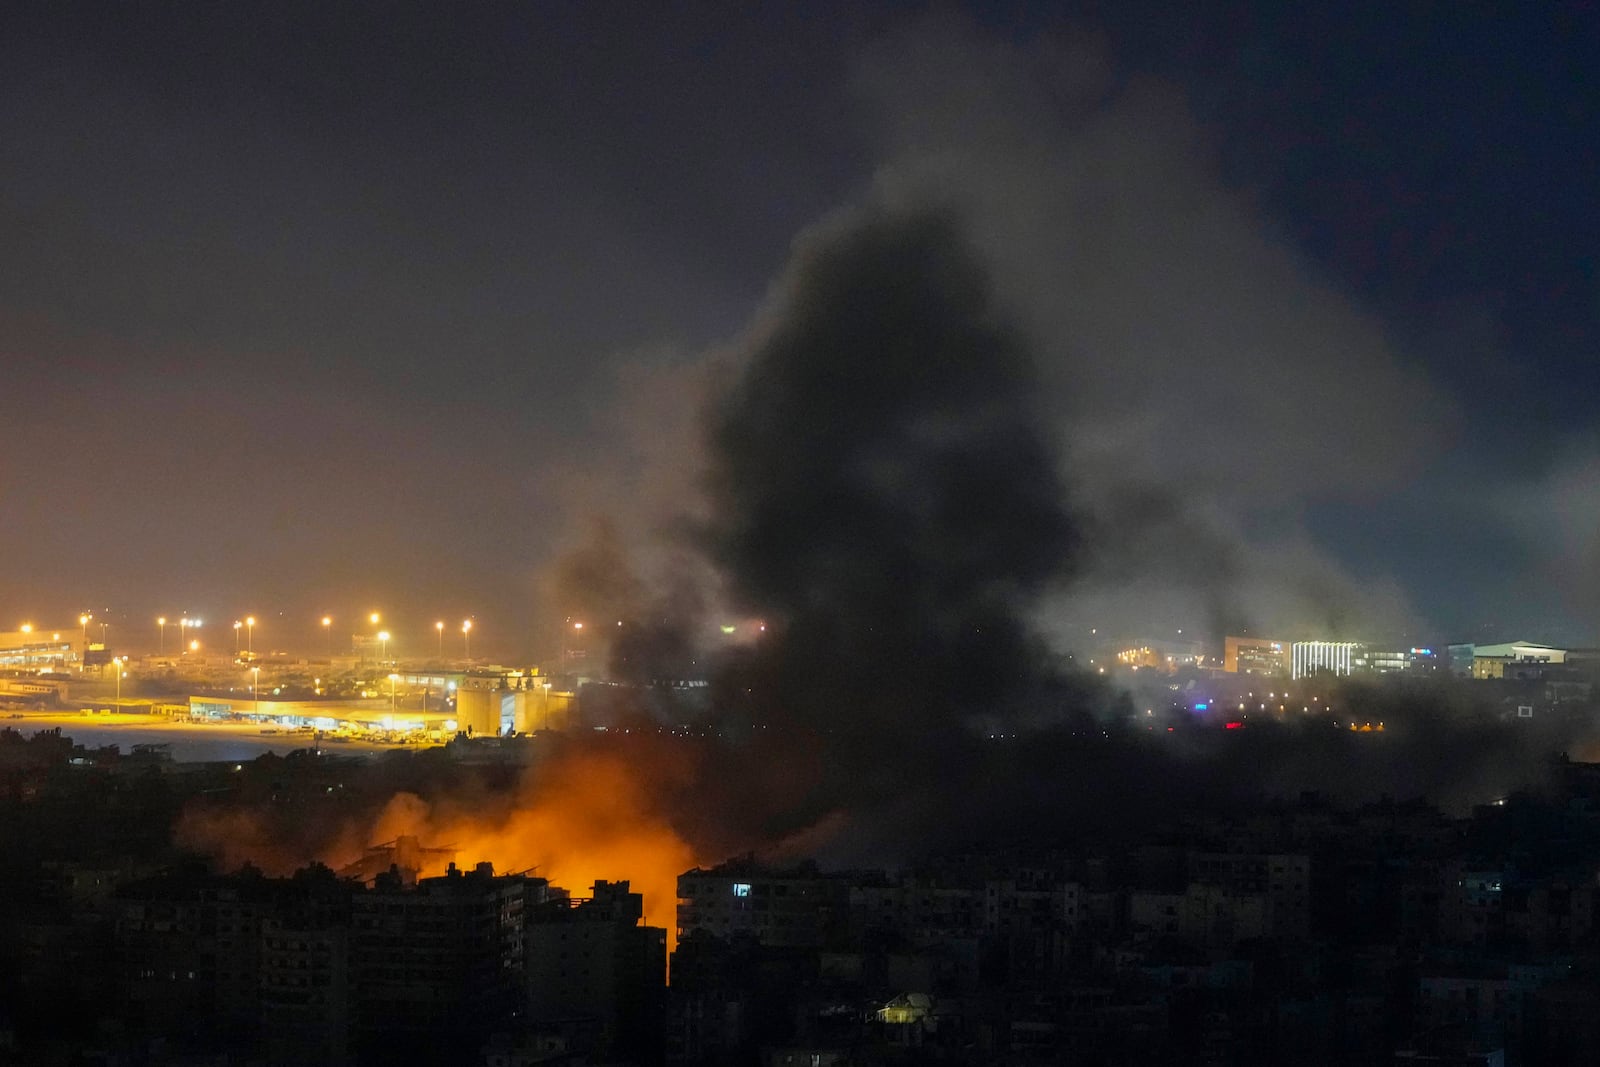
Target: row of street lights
(185, 624)
(383, 635)
(248, 625)
(466, 637)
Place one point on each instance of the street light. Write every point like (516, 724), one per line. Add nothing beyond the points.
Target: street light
(250, 634)
(383, 645)
(373, 619)
(466, 637)
(161, 642)
(119, 661)
(327, 630)
(255, 687)
(393, 678)
(236, 626)
(440, 627)
(83, 620)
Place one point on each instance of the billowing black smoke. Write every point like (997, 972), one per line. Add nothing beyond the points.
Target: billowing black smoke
(881, 491)
(883, 495)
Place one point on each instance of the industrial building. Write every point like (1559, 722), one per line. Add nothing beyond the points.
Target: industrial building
(477, 706)
(498, 711)
(1298, 659)
(1393, 661)
(1510, 659)
(39, 648)
(1254, 655)
(324, 715)
(1168, 656)
(1317, 657)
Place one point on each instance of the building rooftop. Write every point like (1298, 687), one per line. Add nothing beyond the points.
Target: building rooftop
(1514, 650)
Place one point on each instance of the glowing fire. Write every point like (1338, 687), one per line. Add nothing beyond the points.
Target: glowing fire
(586, 818)
(581, 817)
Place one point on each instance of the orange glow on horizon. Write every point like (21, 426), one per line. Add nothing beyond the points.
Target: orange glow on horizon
(587, 820)
(582, 816)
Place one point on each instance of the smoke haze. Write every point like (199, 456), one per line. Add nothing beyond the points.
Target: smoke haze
(1049, 372)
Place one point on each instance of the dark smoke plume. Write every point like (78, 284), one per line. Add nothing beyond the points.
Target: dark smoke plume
(881, 489)
(882, 494)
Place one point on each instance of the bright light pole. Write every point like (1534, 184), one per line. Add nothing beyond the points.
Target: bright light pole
(255, 687)
(466, 637)
(383, 645)
(161, 642)
(187, 624)
(373, 619)
(440, 627)
(83, 620)
(250, 634)
(118, 661)
(393, 678)
(237, 625)
(327, 629)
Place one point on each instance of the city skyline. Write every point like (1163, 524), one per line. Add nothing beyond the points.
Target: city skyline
(987, 531)
(321, 635)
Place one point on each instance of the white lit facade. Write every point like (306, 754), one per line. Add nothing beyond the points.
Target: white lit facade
(1309, 657)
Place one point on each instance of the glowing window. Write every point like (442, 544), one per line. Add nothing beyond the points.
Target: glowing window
(741, 889)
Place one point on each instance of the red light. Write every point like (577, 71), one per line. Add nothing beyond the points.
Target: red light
(1169, 729)
(1234, 725)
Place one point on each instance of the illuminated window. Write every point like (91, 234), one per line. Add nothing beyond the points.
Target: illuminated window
(741, 889)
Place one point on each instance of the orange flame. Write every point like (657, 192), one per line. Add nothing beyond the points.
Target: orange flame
(583, 819)
(578, 818)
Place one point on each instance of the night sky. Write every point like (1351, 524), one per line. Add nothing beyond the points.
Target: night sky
(323, 310)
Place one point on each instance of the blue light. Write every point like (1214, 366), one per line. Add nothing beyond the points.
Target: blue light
(1201, 707)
